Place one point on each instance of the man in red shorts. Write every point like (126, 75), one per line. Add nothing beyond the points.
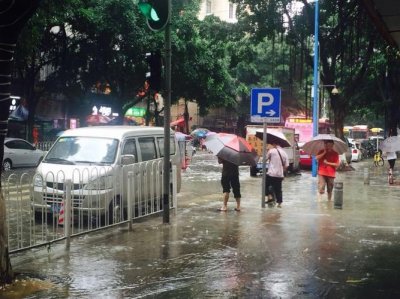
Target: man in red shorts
(328, 162)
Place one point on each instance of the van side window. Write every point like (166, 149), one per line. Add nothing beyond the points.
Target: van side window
(147, 148)
(130, 148)
(172, 149)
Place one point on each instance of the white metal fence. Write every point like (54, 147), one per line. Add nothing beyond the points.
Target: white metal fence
(44, 145)
(42, 210)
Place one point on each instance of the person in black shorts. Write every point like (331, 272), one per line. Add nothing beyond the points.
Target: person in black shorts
(230, 179)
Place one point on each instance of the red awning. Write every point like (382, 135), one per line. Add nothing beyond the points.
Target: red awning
(180, 122)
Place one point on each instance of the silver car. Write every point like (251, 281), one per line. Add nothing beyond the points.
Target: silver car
(20, 153)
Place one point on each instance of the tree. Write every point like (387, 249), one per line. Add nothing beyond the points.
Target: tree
(345, 51)
(200, 61)
(37, 48)
(97, 45)
(13, 17)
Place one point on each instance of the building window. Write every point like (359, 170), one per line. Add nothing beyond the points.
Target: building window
(208, 7)
(230, 11)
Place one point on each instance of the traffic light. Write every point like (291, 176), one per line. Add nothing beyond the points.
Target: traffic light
(155, 66)
(156, 13)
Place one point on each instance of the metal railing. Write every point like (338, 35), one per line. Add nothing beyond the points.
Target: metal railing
(42, 210)
(44, 145)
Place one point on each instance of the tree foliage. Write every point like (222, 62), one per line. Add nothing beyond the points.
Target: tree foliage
(346, 52)
(103, 43)
(200, 62)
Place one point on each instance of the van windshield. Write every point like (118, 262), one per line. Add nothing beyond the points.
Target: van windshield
(73, 150)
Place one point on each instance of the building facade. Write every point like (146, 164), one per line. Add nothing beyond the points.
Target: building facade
(223, 9)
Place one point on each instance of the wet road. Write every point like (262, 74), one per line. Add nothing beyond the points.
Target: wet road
(307, 249)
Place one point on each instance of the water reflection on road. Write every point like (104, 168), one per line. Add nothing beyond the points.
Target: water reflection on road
(307, 249)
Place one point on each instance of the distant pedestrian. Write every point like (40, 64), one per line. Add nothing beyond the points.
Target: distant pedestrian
(278, 164)
(391, 157)
(328, 162)
(230, 179)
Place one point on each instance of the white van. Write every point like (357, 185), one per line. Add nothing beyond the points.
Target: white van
(96, 160)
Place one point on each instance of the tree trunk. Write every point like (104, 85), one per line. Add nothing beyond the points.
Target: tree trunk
(393, 94)
(339, 114)
(13, 16)
(186, 117)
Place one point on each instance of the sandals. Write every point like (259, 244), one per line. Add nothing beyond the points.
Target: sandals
(224, 210)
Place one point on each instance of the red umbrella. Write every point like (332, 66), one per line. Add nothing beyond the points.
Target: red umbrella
(232, 148)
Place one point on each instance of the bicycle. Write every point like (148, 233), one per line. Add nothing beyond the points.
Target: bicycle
(378, 159)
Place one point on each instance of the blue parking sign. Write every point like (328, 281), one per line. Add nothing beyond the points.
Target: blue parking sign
(265, 105)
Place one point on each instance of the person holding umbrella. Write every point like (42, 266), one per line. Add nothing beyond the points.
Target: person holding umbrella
(278, 163)
(229, 179)
(390, 145)
(328, 162)
(232, 151)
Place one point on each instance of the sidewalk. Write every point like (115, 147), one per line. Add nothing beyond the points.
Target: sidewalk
(307, 249)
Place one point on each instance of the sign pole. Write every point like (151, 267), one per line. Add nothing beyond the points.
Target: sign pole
(264, 174)
(316, 87)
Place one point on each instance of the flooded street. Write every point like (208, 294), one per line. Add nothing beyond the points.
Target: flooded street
(307, 249)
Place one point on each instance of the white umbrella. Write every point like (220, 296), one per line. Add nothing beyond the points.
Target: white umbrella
(390, 144)
(317, 144)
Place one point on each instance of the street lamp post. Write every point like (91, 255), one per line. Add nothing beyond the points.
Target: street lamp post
(316, 87)
(314, 91)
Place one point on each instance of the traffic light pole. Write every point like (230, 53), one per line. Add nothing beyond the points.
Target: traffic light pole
(167, 118)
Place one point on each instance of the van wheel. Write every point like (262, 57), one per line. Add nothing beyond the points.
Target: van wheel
(114, 211)
(253, 171)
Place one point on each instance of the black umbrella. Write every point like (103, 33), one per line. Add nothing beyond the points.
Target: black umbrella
(274, 137)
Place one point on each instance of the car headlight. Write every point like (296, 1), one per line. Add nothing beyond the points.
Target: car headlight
(101, 183)
(38, 181)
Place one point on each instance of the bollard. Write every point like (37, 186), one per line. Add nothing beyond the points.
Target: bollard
(366, 176)
(338, 195)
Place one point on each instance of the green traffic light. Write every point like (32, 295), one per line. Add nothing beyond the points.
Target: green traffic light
(148, 10)
(156, 13)
(153, 15)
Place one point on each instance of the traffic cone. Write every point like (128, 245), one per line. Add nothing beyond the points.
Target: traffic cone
(61, 214)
